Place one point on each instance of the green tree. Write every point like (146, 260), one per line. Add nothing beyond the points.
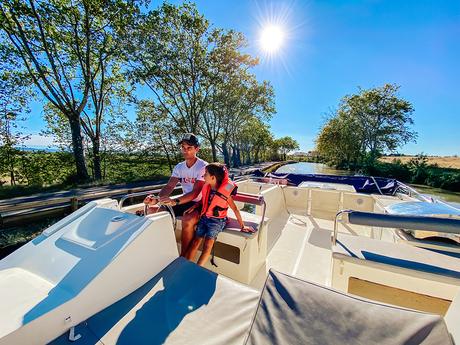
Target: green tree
(69, 50)
(286, 144)
(229, 67)
(171, 54)
(338, 143)
(366, 125)
(14, 96)
(157, 132)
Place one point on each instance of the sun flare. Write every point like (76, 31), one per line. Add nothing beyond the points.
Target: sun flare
(271, 38)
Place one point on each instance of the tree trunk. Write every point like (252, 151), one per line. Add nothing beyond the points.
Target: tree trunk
(12, 179)
(234, 158)
(97, 159)
(256, 155)
(167, 152)
(214, 150)
(226, 154)
(77, 147)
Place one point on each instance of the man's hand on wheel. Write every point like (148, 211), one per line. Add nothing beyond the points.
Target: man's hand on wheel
(150, 200)
(166, 200)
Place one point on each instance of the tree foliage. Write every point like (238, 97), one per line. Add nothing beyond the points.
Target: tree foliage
(69, 50)
(14, 95)
(84, 58)
(366, 125)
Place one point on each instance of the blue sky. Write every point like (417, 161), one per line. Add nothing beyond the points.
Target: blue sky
(332, 47)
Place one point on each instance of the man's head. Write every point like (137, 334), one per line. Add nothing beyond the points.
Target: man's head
(215, 174)
(189, 145)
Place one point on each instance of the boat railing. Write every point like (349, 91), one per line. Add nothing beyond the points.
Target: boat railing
(384, 220)
(148, 192)
(413, 193)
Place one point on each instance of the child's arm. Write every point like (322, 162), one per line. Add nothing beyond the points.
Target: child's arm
(193, 207)
(243, 227)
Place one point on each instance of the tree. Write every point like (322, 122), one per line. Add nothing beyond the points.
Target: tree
(286, 144)
(229, 67)
(198, 75)
(170, 53)
(250, 99)
(157, 132)
(14, 95)
(366, 125)
(338, 142)
(382, 118)
(68, 49)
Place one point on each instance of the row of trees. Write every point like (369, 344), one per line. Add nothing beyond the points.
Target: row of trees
(87, 58)
(365, 126)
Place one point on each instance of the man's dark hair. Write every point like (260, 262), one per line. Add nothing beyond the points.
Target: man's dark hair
(190, 139)
(217, 170)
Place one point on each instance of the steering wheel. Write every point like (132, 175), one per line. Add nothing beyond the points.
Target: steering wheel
(168, 208)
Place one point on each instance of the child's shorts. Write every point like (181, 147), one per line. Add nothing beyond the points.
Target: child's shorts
(210, 227)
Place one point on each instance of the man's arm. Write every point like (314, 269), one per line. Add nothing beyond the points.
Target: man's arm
(165, 191)
(197, 187)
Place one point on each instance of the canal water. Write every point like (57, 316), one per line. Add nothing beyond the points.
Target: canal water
(452, 198)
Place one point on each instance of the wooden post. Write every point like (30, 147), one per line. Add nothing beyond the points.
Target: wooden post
(73, 204)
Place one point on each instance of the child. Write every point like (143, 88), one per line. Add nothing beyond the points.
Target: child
(216, 198)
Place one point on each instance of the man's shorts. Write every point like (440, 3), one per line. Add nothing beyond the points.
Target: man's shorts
(210, 227)
(180, 209)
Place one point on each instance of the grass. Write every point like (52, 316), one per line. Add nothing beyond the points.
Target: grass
(452, 162)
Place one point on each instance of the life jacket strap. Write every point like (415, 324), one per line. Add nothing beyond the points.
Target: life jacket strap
(219, 194)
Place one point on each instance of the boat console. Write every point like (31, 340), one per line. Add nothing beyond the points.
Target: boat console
(78, 267)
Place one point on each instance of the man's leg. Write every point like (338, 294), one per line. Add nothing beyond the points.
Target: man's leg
(189, 222)
(207, 247)
(193, 248)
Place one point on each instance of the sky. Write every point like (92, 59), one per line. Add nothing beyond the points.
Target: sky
(330, 48)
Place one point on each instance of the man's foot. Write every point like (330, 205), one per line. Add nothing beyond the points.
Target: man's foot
(140, 213)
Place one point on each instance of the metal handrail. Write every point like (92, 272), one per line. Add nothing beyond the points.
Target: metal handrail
(131, 195)
(414, 193)
(427, 223)
(336, 226)
(170, 209)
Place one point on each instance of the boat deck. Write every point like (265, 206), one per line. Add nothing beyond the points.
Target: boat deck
(300, 245)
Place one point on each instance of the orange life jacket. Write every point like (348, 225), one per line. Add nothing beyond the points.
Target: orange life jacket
(219, 205)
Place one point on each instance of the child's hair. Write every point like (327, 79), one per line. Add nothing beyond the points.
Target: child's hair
(217, 170)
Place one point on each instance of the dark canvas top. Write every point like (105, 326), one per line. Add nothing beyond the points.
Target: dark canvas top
(362, 184)
(293, 311)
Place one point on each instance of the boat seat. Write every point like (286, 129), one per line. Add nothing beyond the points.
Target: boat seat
(238, 254)
(400, 255)
(183, 304)
(232, 227)
(20, 292)
(293, 311)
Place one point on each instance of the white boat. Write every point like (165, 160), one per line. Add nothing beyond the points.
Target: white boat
(327, 265)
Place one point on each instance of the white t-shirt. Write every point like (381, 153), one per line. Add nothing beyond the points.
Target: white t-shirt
(188, 176)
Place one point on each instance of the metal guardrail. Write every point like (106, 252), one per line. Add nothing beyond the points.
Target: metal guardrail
(413, 193)
(26, 205)
(382, 220)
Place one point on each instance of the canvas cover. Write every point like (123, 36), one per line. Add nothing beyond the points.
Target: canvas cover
(293, 311)
(362, 184)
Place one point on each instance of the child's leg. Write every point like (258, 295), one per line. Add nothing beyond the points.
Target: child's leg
(207, 247)
(193, 248)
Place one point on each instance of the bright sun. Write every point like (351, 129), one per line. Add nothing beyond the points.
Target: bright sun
(271, 38)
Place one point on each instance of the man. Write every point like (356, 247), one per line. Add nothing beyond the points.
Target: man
(190, 173)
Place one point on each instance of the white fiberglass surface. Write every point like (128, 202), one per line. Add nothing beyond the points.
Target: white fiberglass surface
(20, 291)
